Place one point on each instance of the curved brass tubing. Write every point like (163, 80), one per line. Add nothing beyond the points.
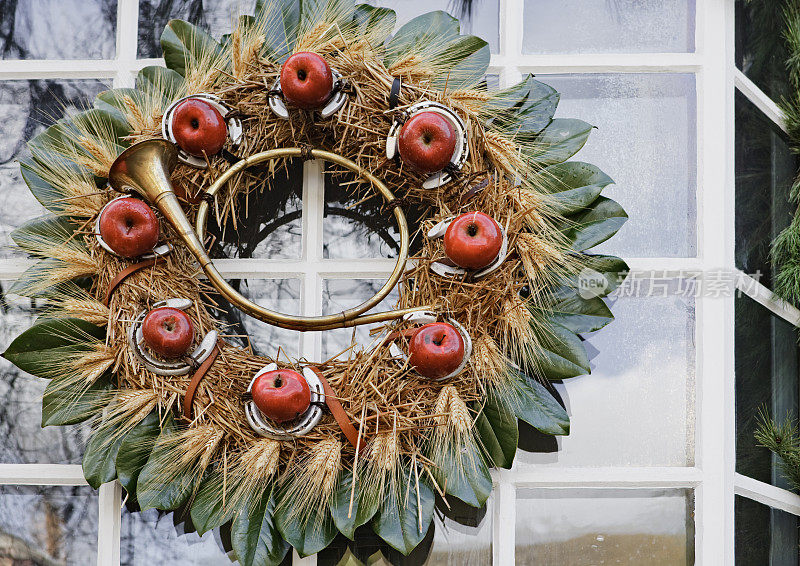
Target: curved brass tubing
(145, 168)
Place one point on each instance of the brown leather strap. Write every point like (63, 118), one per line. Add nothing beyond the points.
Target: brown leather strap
(338, 412)
(392, 336)
(124, 274)
(198, 376)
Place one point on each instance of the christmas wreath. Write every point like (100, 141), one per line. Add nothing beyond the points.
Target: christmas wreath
(494, 280)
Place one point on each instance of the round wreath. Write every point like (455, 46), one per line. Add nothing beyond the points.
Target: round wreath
(378, 440)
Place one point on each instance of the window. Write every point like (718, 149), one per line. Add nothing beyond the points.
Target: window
(649, 472)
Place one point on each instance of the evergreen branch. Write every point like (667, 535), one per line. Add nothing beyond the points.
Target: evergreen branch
(784, 440)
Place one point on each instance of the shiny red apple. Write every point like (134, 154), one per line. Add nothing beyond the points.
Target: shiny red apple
(473, 240)
(427, 142)
(281, 394)
(129, 227)
(168, 332)
(436, 350)
(306, 80)
(199, 127)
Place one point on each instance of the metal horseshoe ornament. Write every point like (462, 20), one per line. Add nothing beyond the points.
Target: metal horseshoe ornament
(302, 425)
(334, 104)
(445, 270)
(169, 368)
(234, 126)
(425, 317)
(460, 153)
(160, 250)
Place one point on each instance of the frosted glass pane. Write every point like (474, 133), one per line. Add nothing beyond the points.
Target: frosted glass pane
(637, 406)
(646, 141)
(608, 26)
(605, 526)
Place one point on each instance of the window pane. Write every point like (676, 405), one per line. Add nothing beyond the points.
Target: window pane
(645, 140)
(48, 525)
(605, 526)
(281, 295)
(268, 223)
(26, 108)
(761, 51)
(341, 294)
(478, 17)
(461, 535)
(765, 535)
(58, 29)
(766, 379)
(216, 16)
(22, 438)
(637, 406)
(600, 26)
(765, 167)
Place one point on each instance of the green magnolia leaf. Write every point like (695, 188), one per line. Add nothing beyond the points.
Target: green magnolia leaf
(368, 19)
(467, 58)
(113, 101)
(156, 489)
(498, 432)
(281, 21)
(50, 228)
(563, 355)
(161, 80)
(99, 458)
(254, 536)
(464, 475)
(363, 508)
(308, 535)
(535, 405)
(34, 281)
(434, 28)
(526, 107)
(183, 42)
(39, 349)
(135, 450)
(578, 314)
(607, 271)
(401, 521)
(329, 11)
(596, 224)
(574, 185)
(208, 511)
(44, 192)
(66, 405)
(101, 123)
(559, 141)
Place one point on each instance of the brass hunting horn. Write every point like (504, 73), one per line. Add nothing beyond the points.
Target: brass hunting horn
(145, 168)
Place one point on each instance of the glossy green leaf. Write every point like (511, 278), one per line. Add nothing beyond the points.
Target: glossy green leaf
(254, 536)
(610, 271)
(208, 511)
(50, 228)
(157, 490)
(348, 519)
(135, 450)
(44, 192)
(161, 80)
(563, 354)
(281, 21)
(39, 348)
(367, 19)
(559, 141)
(308, 535)
(527, 106)
(434, 28)
(67, 405)
(574, 185)
(400, 521)
(467, 59)
(329, 11)
(183, 42)
(99, 458)
(464, 474)
(535, 405)
(577, 313)
(34, 281)
(596, 224)
(498, 432)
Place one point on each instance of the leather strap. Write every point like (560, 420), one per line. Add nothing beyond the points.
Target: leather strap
(198, 376)
(338, 412)
(124, 274)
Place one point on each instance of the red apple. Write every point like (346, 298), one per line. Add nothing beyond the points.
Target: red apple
(436, 350)
(306, 80)
(473, 240)
(427, 142)
(129, 227)
(169, 332)
(281, 394)
(198, 127)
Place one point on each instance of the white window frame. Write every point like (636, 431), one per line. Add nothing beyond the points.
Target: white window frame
(713, 476)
